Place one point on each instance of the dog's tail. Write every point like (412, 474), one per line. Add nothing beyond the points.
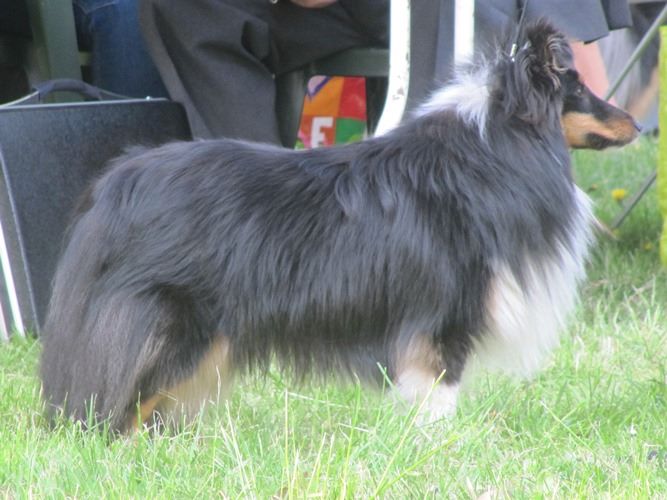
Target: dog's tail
(104, 338)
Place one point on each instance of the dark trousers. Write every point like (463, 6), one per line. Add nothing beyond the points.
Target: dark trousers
(219, 57)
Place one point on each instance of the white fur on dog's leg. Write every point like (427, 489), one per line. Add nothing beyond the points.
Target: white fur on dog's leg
(436, 399)
(441, 403)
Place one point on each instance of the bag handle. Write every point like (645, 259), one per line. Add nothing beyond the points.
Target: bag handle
(48, 87)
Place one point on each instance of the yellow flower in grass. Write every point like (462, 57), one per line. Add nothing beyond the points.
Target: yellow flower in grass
(619, 194)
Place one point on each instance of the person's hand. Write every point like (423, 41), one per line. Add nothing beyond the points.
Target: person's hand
(313, 4)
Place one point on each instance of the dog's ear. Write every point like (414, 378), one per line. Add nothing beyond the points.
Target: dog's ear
(548, 54)
(531, 78)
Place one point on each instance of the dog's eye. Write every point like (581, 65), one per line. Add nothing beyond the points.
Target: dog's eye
(579, 91)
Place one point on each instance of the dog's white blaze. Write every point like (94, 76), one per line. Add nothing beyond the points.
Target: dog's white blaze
(468, 95)
(524, 323)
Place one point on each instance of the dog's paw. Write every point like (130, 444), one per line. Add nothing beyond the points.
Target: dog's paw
(434, 399)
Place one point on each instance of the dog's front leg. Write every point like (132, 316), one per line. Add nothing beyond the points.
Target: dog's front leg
(420, 377)
(432, 394)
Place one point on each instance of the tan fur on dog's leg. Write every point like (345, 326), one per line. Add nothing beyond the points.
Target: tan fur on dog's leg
(146, 409)
(209, 381)
(419, 379)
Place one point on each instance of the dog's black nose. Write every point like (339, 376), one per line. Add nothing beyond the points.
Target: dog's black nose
(638, 127)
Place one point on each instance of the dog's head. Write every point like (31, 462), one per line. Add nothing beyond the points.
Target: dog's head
(539, 85)
(588, 121)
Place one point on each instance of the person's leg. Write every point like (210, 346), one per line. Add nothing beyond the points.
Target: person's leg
(210, 54)
(119, 60)
(219, 57)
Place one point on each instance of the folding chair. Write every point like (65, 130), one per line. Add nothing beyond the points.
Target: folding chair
(636, 55)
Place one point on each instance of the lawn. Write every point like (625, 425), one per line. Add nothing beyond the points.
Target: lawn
(593, 424)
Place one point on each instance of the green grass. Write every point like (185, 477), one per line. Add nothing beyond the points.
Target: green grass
(592, 424)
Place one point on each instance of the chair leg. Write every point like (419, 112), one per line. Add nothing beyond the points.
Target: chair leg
(376, 95)
(290, 92)
(648, 182)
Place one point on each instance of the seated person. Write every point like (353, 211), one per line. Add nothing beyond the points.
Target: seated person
(219, 57)
(109, 29)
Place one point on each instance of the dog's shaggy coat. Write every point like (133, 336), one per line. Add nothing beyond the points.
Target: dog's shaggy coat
(459, 232)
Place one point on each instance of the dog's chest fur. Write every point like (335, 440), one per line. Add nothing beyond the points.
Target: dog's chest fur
(524, 317)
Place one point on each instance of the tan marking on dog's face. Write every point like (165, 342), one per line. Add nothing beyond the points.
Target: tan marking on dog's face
(579, 127)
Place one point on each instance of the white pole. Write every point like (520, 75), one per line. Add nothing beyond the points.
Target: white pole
(399, 66)
(464, 30)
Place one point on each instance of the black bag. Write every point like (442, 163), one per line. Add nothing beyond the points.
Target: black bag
(49, 153)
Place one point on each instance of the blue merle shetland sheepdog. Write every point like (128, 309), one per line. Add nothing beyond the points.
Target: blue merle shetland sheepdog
(460, 233)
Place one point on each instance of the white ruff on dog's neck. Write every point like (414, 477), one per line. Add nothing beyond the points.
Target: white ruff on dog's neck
(524, 322)
(467, 95)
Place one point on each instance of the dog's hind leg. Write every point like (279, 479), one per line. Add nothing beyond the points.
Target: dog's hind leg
(181, 402)
(208, 382)
(182, 366)
(133, 349)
